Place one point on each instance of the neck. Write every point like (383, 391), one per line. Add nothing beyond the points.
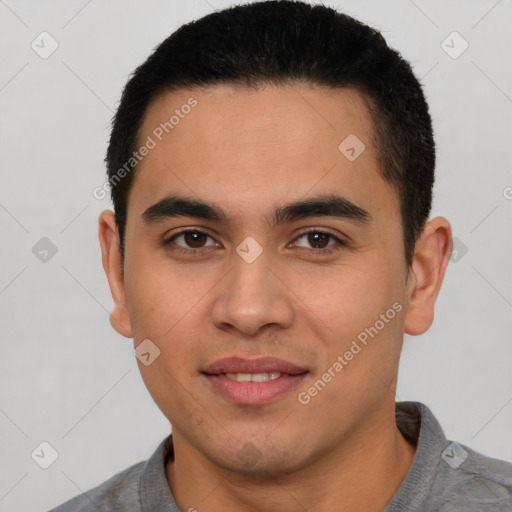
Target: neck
(363, 474)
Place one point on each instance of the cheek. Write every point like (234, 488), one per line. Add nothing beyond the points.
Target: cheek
(159, 297)
(165, 305)
(358, 314)
(171, 392)
(345, 299)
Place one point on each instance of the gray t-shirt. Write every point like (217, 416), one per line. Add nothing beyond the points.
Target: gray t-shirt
(444, 477)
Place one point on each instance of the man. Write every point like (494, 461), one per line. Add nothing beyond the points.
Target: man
(271, 168)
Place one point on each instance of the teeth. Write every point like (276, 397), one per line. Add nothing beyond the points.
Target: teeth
(253, 377)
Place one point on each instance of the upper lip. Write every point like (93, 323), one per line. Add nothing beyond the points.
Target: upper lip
(260, 365)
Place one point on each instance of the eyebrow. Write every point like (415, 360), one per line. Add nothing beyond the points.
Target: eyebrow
(330, 205)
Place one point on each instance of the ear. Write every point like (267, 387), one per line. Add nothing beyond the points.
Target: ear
(112, 264)
(431, 257)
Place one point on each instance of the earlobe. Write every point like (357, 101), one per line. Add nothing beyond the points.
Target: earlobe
(112, 264)
(428, 268)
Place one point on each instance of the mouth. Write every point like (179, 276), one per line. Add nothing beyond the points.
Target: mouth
(253, 381)
(253, 377)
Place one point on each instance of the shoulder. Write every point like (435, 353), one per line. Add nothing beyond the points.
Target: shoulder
(120, 492)
(447, 476)
(470, 479)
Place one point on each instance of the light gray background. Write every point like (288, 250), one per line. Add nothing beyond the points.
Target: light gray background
(69, 379)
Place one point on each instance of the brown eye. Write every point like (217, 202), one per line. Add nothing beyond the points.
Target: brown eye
(318, 240)
(194, 239)
(191, 239)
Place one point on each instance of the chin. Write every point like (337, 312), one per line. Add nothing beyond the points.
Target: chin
(265, 468)
(252, 460)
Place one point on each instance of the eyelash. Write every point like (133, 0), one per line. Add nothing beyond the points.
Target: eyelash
(324, 251)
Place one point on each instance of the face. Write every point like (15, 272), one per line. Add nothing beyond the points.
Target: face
(278, 299)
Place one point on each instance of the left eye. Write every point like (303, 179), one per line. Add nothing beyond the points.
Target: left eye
(318, 239)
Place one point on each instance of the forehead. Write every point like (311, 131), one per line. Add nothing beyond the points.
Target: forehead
(259, 146)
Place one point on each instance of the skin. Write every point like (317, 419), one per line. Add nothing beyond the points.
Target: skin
(249, 151)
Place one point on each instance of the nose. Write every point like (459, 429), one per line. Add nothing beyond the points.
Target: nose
(251, 297)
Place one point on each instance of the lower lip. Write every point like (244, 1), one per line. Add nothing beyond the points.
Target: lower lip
(253, 393)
